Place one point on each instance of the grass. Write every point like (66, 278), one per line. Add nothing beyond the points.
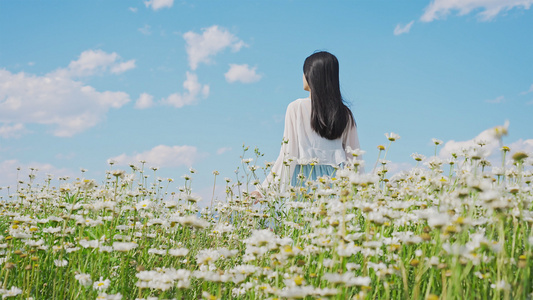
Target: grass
(458, 229)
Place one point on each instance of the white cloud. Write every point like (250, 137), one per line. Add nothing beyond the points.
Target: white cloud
(159, 4)
(145, 30)
(399, 29)
(223, 150)
(486, 136)
(528, 91)
(9, 173)
(190, 96)
(207, 193)
(8, 131)
(499, 99)
(394, 168)
(491, 147)
(522, 145)
(123, 67)
(133, 9)
(202, 47)
(242, 73)
(163, 156)
(439, 9)
(145, 101)
(91, 62)
(65, 156)
(57, 98)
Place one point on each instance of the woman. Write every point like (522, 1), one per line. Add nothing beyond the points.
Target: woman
(319, 130)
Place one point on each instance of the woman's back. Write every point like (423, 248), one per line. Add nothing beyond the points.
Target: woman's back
(310, 145)
(318, 130)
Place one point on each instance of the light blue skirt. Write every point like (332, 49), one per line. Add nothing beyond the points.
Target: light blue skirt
(310, 173)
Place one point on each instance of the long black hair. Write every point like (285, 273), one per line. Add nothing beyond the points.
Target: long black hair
(329, 114)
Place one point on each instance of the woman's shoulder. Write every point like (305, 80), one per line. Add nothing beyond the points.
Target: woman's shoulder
(298, 102)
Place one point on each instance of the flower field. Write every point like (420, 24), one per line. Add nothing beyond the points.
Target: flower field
(446, 229)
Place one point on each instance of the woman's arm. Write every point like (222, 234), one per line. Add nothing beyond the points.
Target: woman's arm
(282, 169)
(350, 138)
(350, 142)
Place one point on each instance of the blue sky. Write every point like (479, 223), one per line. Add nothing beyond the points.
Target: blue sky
(187, 83)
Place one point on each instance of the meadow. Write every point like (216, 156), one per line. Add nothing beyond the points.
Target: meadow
(456, 228)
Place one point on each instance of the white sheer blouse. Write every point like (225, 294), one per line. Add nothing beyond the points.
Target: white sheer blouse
(302, 145)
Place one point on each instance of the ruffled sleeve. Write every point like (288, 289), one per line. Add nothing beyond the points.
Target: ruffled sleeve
(283, 167)
(350, 140)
